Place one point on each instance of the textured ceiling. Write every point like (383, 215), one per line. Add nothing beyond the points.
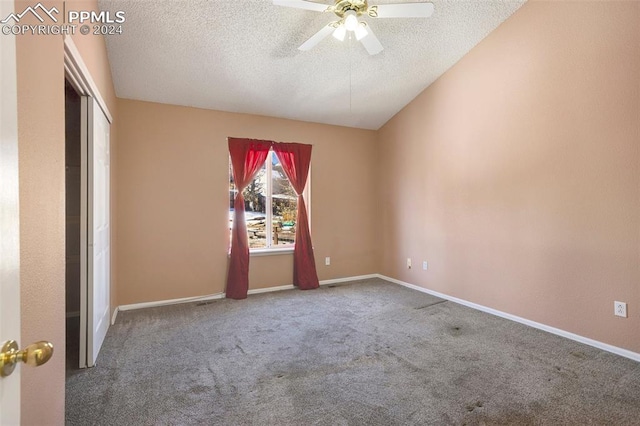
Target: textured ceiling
(242, 56)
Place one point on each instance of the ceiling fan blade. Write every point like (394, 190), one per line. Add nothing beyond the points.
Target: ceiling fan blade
(301, 4)
(317, 37)
(371, 42)
(402, 10)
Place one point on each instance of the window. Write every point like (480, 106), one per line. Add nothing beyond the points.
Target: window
(271, 206)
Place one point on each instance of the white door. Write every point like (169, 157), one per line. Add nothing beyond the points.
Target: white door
(9, 220)
(96, 303)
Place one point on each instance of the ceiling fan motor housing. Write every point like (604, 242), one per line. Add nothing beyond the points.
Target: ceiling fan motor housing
(343, 6)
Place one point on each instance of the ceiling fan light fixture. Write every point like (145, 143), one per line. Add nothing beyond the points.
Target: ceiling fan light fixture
(361, 31)
(340, 32)
(351, 20)
(348, 12)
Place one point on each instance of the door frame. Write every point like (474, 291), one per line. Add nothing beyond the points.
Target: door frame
(10, 212)
(77, 73)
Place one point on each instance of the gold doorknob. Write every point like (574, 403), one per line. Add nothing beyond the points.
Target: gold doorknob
(34, 355)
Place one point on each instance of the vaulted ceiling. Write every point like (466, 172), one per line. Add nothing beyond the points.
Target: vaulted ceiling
(242, 56)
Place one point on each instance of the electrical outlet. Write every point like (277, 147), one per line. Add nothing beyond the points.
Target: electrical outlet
(408, 263)
(425, 265)
(620, 309)
(327, 261)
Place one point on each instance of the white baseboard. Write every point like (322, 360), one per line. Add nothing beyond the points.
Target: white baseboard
(348, 279)
(270, 289)
(144, 305)
(115, 315)
(323, 282)
(169, 302)
(587, 341)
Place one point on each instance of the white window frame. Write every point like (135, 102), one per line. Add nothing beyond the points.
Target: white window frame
(306, 195)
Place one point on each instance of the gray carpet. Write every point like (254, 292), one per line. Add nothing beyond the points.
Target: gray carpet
(366, 353)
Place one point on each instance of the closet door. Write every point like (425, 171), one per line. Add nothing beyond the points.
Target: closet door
(98, 230)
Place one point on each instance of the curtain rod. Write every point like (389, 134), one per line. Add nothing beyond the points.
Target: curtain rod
(266, 140)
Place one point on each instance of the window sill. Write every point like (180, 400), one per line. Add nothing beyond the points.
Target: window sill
(270, 252)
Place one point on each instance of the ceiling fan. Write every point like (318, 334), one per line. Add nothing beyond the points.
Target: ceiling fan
(348, 12)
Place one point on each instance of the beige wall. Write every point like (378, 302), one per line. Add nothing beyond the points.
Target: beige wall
(42, 219)
(173, 201)
(519, 169)
(41, 134)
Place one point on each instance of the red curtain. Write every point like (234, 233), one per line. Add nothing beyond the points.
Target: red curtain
(247, 157)
(295, 159)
